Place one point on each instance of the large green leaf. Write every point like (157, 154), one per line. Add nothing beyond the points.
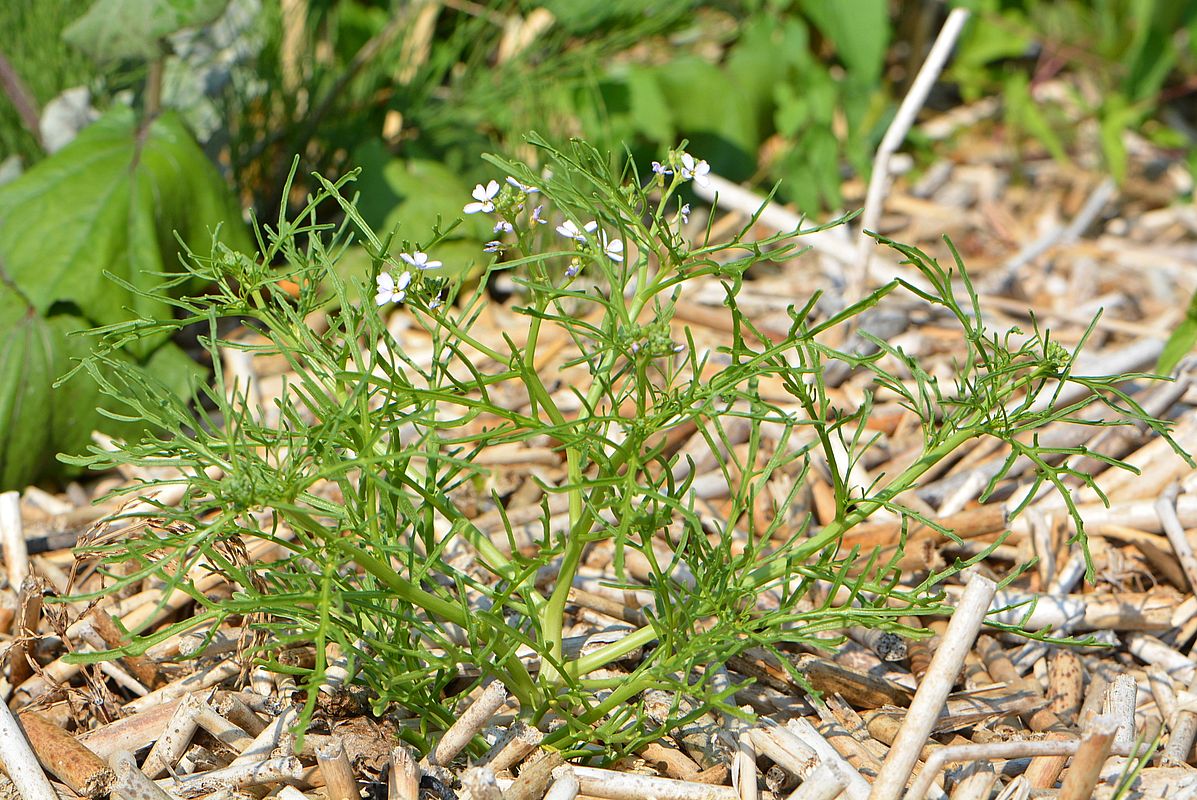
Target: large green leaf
(26, 372)
(112, 201)
(859, 29)
(113, 30)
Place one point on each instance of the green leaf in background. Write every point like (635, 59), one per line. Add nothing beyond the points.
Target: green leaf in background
(1181, 342)
(27, 363)
(859, 29)
(113, 201)
(1025, 115)
(113, 30)
(117, 197)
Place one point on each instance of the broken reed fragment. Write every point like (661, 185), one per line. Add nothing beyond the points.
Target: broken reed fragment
(130, 782)
(337, 771)
(20, 763)
(469, 724)
(65, 758)
(1096, 743)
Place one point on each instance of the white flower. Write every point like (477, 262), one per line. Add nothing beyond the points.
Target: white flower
(391, 290)
(696, 170)
(504, 226)
(435, 302)
(536, 220)
(493, 247)
(613, 248)
(523, 188)
(485, 195)
(684, 213)
(661, 169)
(570, 231)
(419, 260)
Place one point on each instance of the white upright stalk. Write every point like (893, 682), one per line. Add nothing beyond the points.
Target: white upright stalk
(894, 134)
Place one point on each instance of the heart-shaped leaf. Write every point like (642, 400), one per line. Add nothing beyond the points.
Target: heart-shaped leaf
(113, 200)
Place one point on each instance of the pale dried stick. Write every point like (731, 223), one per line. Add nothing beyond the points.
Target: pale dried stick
(826, 782)
(192, 683)
(19, 761)
(478, 783)
(984, 752)
(605, 783)
(894, 134)
(1165, 509)
(518, 741)
(934, 689)
(468, 724)
(1094, 748)
(1184, 730)
(857, 788)
(1163, 693)
(269, 739)
(1121, 700)
(565, 784)
(403, 783)
(131, 783)
(784, 748)
(237, 776)
(975, 782)
(1155, 653)
(339, 781)
(12, 539)
(175, 738)
(743, 767)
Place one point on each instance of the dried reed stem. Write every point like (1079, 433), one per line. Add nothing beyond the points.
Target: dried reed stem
(403, 783)
(895, 133)
(1095, 746)
(605, 783)
(565, 784)
(468, 724)
(934, 689)
(979, 752)
(335, 767)
(19, 761)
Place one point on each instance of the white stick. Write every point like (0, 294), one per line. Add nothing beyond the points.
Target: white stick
(19, 761)
(979, 752)
(827, 782)
(1165, 509)
(12, 539)
(472, 720)
(856, 788)
(565, 784)
(915, 97)
(613, 785)
(934, 689)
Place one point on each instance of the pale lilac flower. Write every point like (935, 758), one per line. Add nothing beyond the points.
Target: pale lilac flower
(570, 231)
(523, 188)
(661, 169)
(419, 260)
(613, 248)
(536, 220)
(493, 247)
(485, 195)
(390, 289)
(684, 213)
(504, 226)
(573, 269)
(699, 171)
(435, 302)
